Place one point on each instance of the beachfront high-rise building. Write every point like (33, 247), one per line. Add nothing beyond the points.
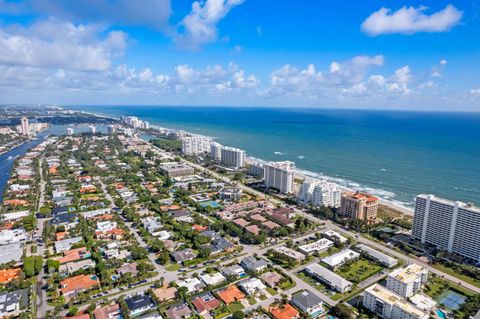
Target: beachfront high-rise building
(256, 169)
(25, 128)
(195, 145)
(92, 129)
(319, 193)
(132, 121)
(232, 157)
(407, 281)
(280, 175)
(111, 129)
(216, 151)
(228, 156)
(70, 131)
(448, 225)
(359, 206)
(386, 304)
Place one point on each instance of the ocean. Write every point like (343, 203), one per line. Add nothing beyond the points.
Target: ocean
(393, 154)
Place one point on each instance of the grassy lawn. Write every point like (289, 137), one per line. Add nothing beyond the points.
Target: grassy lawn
(251, 300)
(221, 315)
(312, 282)
(193, 262)
(236, 306)
(452, 272)
(271, 291)
(173, 267)
(359, 270)
(287, 285)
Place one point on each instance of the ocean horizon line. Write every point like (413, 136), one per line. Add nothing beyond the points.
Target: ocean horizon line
(289, 108)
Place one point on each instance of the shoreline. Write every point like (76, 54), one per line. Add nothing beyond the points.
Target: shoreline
(302, 173)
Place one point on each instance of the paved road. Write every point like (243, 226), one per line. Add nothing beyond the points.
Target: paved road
(40, 286)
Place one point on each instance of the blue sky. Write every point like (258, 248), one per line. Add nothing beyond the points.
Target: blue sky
(421, 55)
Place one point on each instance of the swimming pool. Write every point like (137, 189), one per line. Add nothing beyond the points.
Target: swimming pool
(440, 313)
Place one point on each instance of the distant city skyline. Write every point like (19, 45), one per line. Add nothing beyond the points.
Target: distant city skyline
(418, 55)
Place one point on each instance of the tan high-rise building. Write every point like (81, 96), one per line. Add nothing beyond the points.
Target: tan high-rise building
(25, 126)
(359, 206)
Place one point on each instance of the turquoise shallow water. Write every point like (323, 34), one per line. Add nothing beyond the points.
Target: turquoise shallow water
(396, 155)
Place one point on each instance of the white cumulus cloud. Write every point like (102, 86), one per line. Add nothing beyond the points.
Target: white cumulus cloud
(201, 23)
(54, 43)
(409, 20)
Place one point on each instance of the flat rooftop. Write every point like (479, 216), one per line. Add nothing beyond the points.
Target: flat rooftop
(467, 206)
(384, 294)
(407, 274)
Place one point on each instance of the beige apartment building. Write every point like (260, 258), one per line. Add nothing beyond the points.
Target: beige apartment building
(359, 206)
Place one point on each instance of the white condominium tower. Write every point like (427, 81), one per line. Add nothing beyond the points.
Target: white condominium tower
(232, 157)
(386, 304)
(136, 122)
(407, 281)
(195, 145)
(25, 127)
(448, 225)
(279, 175)
(319, 193)
(216, 151)
(228, 156)
(70, 131)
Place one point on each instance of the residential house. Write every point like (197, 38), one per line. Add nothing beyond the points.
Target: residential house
(71, 267)
(66, 244)
(13, 303)
(230, 294)
(179, 311)
(180, 256)
(139, 304)
(233, 271)
(271, 278)
(7, 275)
(165, 293)
(253, 264)
(284, 312)
(251, 286)
(308, 303)
(213, 279)
(192, 284)
(75, 285)
(111, 311)
(206, 302)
